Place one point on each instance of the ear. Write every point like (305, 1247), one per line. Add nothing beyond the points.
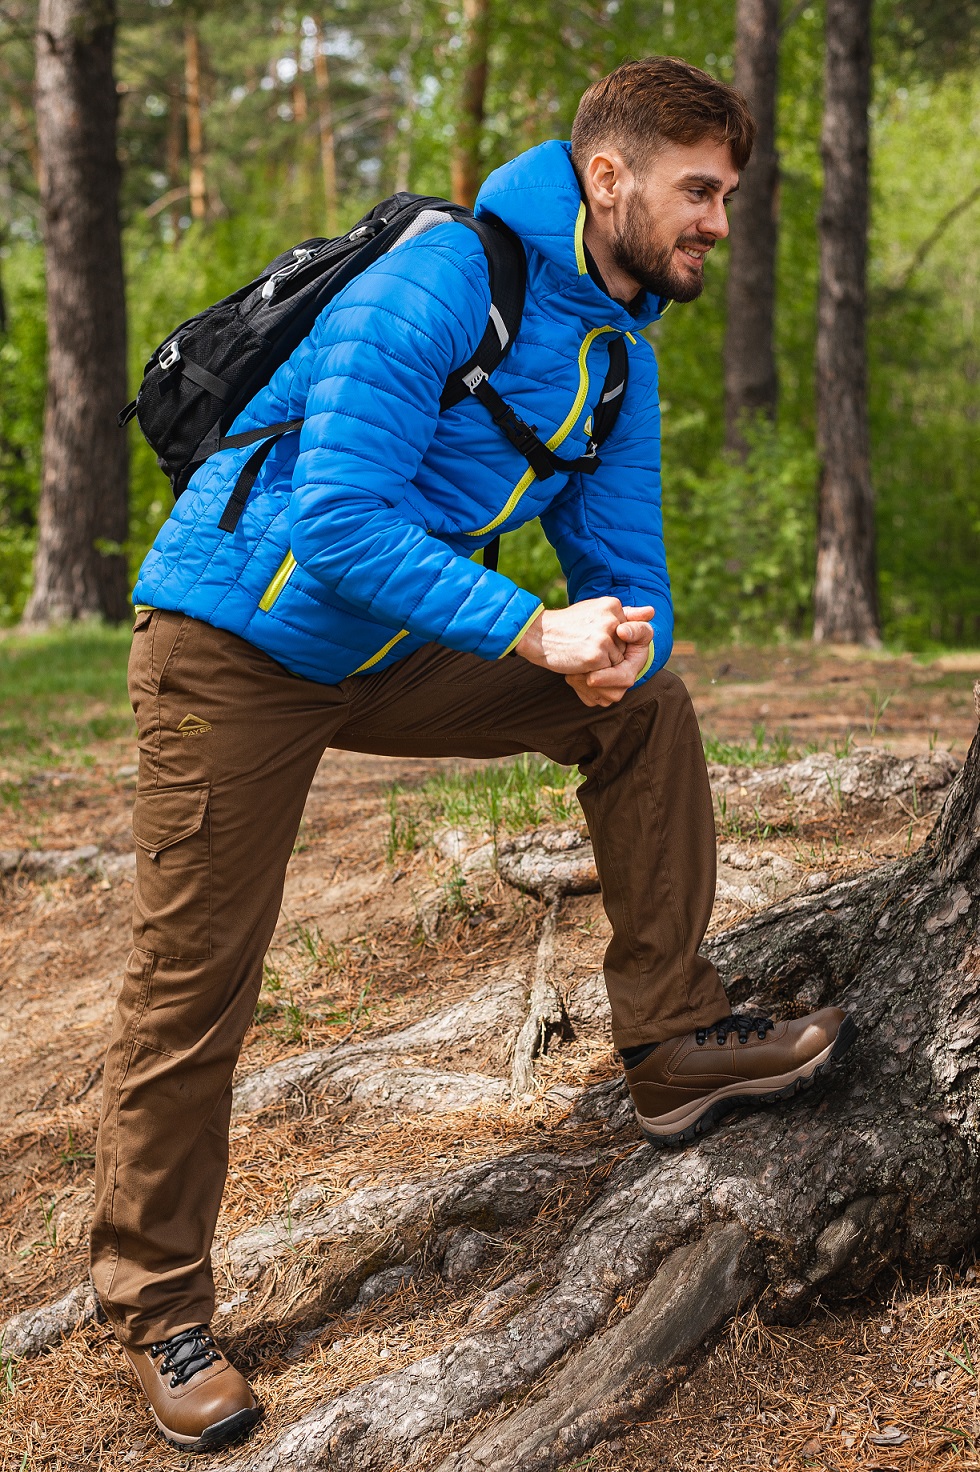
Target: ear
(607, 176)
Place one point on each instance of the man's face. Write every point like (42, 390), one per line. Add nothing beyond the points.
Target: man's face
(673, 215)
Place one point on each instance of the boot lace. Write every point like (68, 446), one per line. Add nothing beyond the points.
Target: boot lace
(185, 1354)
(737, 1023)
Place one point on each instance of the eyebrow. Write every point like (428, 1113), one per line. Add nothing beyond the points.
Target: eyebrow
(710, 181)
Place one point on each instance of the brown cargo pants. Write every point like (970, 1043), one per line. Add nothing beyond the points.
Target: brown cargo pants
(229, 742)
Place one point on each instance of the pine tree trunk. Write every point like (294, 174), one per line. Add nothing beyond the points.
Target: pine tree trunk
(845, 595)
(328, 154)
(406, 122)
(173, 153)
(751, 385)
(466, 169)
(195, 129)
(80, 565)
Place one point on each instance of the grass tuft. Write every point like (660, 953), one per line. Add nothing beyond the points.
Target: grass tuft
(501, 797)
(62, 690)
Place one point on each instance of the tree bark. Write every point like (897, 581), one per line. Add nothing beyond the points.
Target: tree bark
(328, 152)
(173, 153)
(80, 565)
(406, 121)
(195, 129)
(466, 170)
(751, 384)
(845, 594)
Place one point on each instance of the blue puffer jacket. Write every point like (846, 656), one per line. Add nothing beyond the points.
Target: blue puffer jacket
(357, 541)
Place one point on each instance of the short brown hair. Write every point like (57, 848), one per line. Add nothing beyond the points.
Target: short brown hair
(659, 99)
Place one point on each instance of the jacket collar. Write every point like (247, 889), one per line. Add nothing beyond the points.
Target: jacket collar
(537, 194)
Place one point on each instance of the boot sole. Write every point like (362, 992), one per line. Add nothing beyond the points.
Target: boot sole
(213, 1438)
(683, 1126)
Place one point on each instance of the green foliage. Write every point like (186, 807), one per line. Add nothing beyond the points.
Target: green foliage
(22, 349)
(741, 538)
(925, 362)
(529, 558)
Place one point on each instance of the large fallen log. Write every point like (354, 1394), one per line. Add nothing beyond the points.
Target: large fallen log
(878, 1166)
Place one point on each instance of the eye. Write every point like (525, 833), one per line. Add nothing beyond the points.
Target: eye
(698, 193)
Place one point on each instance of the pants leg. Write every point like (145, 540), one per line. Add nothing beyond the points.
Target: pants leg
(646, 800)
(229, 743)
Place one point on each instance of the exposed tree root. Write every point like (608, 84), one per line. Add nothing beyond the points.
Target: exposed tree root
(36, 1329)
(549, 862)
(545, 1013)
(616, 1376)
(867, 775)
(494, 1011)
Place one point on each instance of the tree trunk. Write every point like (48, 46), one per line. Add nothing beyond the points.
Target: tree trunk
(80, 565)
(750, 362)
(406, 122)
(845, 595)
(328, 152)
(195, 130)
(466, 170)
(174, 154)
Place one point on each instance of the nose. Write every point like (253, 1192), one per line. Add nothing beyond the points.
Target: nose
(715, 220)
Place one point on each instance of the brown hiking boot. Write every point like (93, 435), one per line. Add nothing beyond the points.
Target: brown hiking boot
(198, 1400)
(687, 1084)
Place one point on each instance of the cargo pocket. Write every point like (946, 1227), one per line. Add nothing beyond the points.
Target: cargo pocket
(172, 900)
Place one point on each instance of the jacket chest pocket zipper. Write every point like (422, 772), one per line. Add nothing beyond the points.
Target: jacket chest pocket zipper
(283, 573)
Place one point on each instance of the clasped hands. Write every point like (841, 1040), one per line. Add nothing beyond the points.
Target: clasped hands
(598, 645)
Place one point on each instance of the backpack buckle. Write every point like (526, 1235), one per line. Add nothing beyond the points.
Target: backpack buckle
(169, 356)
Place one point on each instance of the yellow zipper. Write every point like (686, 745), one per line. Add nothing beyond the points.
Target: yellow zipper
(560, 434)
(283, 574)
(380, 654)
(580, 260)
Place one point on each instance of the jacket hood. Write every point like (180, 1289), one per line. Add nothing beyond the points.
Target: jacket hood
(537, 194)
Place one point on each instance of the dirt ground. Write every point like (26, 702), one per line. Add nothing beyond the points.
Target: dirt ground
(887, 1382)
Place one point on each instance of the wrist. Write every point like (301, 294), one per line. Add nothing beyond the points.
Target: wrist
(530, 645)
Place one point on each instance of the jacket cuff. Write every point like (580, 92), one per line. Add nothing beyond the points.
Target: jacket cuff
(520, 633)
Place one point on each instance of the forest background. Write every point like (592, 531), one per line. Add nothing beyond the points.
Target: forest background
(246, 128)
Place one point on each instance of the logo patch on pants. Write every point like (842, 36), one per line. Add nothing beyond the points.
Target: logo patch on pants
(193, 726)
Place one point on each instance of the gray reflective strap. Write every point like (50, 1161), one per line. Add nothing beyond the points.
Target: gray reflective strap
(500, 326)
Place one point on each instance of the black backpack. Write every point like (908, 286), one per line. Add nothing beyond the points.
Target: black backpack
(201, 377)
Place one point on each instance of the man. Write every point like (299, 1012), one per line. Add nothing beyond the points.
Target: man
(345, 610)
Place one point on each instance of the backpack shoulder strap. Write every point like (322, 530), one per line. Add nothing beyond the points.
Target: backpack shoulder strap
(507, 265)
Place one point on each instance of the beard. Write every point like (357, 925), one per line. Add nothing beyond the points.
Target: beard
(638, 250)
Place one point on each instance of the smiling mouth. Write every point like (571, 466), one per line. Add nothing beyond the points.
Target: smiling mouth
(694, 254)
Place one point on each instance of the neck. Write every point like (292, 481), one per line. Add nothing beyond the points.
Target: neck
(598, 239)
